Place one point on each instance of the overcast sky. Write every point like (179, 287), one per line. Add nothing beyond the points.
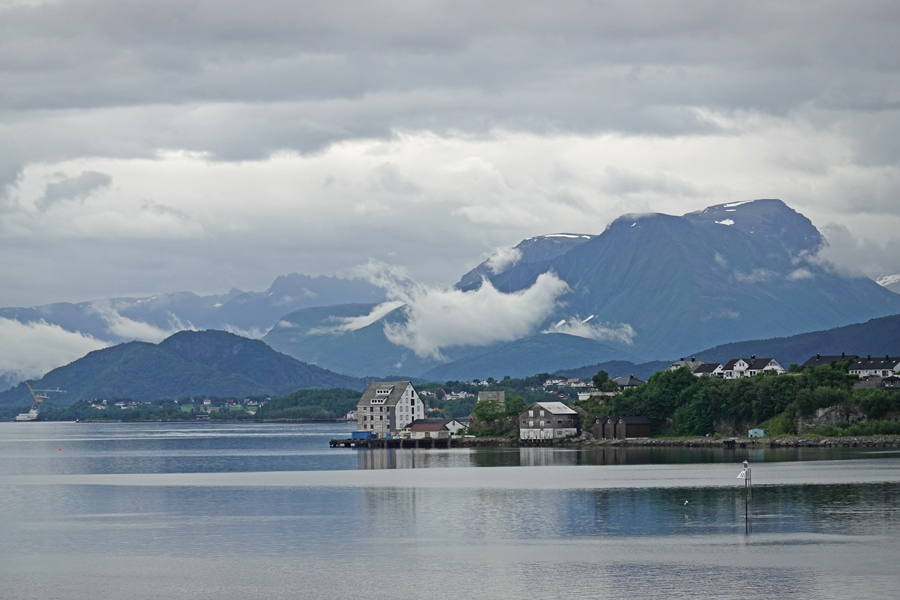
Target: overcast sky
(156, 146)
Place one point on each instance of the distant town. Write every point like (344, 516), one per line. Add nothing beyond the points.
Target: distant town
(834, 395)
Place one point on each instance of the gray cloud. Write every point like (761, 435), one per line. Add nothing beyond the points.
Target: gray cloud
(441, 130)
(856, 256)
(73, 188)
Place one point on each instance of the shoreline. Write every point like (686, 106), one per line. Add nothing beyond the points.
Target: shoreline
(885, 441)
(874, 441)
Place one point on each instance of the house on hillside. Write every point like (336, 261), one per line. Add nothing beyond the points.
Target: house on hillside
(692, 364)
(749, 367)
(548, 420)
(627, 382)
(876, 382)
(882, 367)
(709, 370)
(827, 359)
(387, 407)
(498, 397)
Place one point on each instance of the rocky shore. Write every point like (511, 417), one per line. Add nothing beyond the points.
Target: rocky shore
(885, 441)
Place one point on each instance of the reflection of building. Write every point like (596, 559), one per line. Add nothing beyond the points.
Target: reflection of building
(548, 420)
(388, 406)
(546, 457)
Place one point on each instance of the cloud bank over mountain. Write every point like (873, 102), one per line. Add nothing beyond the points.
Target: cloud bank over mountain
(438, 317)
(31, 349)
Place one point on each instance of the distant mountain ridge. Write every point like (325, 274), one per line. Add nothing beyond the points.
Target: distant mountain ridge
(189, 363)
(112, 320)
(648, 288)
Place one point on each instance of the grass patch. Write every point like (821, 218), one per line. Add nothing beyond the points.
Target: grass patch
(781, 424)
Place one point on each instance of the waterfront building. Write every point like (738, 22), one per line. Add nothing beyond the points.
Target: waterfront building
(548, 420)
(387, 407)
(621, 428)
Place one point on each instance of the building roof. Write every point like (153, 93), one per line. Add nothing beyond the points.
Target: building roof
(629, 381)
(390, 399)
(418, 425)
(827, 359)
(707, 368)
(754, 364)
(555, 408)
(633, 420)
(692, 364)
(875, 364)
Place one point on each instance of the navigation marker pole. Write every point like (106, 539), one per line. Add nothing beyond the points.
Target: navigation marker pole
(745, 475)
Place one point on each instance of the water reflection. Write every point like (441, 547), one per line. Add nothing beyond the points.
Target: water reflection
(491, 533)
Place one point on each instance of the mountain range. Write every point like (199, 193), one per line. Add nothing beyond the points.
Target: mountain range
(650, 287)
(188, 363)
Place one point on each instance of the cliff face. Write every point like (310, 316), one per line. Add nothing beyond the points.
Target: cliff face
(841, 415)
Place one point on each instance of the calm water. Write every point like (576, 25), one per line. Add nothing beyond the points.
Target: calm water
(270, 511)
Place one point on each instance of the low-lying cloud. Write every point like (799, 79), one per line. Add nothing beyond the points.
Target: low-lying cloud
(346, 324)
(503, 259)
(30, 350)
(439, 318)
(622, 333)
(124, 327)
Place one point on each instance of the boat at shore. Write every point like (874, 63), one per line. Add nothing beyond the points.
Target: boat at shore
(38, 398)
(31, 415)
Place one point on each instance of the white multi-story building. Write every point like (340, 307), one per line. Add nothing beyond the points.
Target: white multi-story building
(388, 406)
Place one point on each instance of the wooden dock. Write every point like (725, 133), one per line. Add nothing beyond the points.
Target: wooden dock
(392, 443)
(446, 443)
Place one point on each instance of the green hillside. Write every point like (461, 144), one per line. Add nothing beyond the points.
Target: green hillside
(189, 363)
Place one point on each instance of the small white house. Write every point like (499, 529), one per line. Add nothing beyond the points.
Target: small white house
(749, 367)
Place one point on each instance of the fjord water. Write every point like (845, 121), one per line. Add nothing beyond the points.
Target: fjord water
(228, 511)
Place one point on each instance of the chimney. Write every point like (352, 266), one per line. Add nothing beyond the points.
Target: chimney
(752, 357)
(681, 359)
(818, 356)
(869, 357)
(842, 355)
(693, 359)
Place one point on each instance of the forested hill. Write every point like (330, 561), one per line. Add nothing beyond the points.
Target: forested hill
(189, 363)
(876, 337)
